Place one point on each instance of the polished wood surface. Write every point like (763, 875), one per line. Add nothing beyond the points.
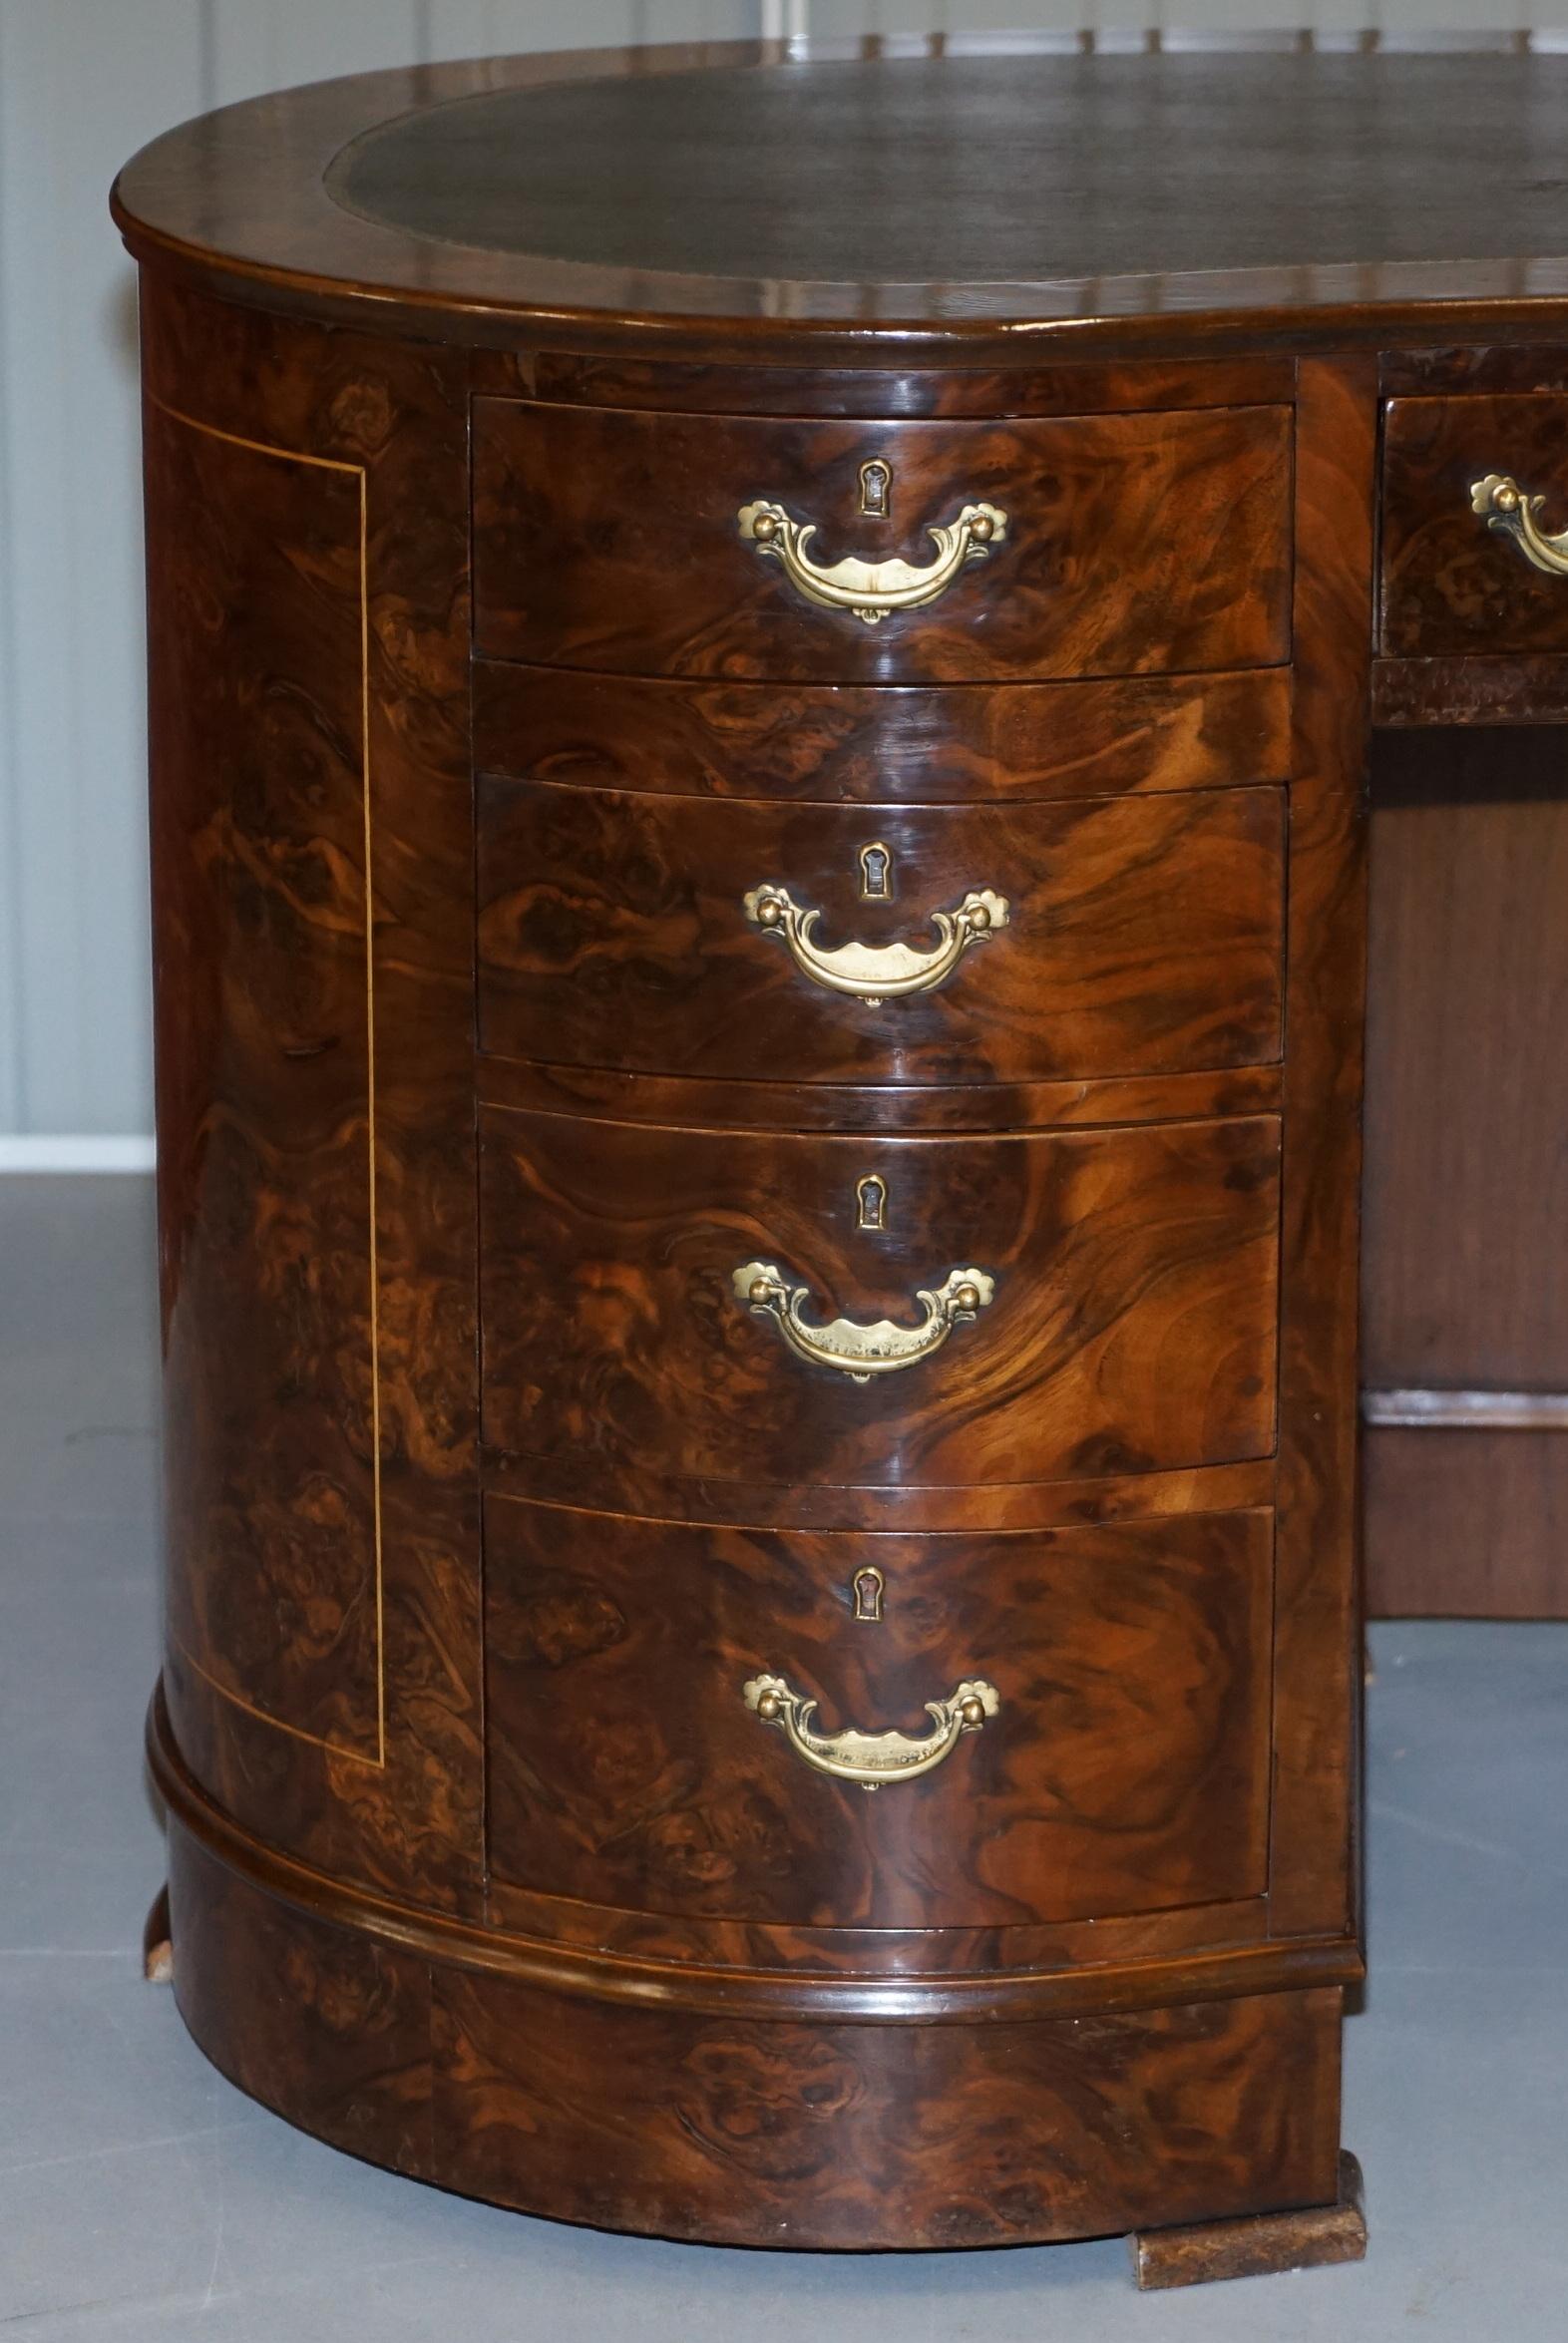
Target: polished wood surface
(1127, 1768)
(1449, 214)
(1450, 585)
(875, 744)
(1142, 935)
(730, 2128)
(1315, 1881)
(488, 1492)
(312, 845)
(1134, 543)
(1132, 1328)
(682, 1100)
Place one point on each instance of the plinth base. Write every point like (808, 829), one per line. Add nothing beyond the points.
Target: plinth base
(804, 2104)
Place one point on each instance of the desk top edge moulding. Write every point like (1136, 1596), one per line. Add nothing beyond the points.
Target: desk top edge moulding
(758, 732)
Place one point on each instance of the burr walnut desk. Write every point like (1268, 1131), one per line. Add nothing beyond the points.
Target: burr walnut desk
(762, 677)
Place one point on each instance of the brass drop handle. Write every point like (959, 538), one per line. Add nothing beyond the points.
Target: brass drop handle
(873, 1760)
(858, 1350)
(875, 973)
(871, 588)
(1506, 508)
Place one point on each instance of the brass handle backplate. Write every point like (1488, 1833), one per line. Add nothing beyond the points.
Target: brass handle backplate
(871, 588)
(874, 973)
(873, 1760)
(858, 1350)
(1505, 507)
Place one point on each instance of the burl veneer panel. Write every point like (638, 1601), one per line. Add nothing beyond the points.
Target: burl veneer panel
(1140, 935)
(1125, 1771)
(324, 2023)
(852, 2137)
(265, 1076)
(1451, 584)
(1136, 544)
(1132, 1325)
(749, 2132)
(879, 744)
(311, 852)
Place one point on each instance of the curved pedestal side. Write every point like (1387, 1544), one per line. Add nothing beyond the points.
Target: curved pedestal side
(359, 468)
(748, 2107)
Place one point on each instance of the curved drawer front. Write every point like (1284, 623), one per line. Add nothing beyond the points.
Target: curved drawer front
(723, 546)
(883, 943)
(1466, 571)
(1121, 1765)
(907, 1312)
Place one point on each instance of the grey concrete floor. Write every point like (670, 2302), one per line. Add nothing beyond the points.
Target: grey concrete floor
(140, 2196)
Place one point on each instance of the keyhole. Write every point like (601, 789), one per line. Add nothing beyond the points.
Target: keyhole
(869, 1585)
(871, 1195)
(876, 489)
(876, 871)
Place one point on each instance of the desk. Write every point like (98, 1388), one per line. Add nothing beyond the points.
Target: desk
(761, 684)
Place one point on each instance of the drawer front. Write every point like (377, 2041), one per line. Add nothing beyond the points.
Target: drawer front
(907, 1312)
(882, 944)
(1117, 544)
(1122, 1766)
(1458, 581)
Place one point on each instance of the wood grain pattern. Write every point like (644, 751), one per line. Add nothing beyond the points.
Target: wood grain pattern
(606, 538)
(1486, 688)
(1132, 1327)
(832, 2135)
(1090, 1973)
(857, 2137)
(1142, 935)
(725, 1969)
(876, 392)
(874, 744)
(1318, 1596)
(866, 2137)
(325, 2025)
(1451, 584)
(1148, 1960)
(264, 1079)
(644, 1493)
(1126, 1769)
(293, 1353)
(680, 1100)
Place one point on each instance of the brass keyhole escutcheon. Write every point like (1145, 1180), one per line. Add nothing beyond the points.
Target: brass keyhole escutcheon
(871, 1199)
(876, 871)
(868, 1588)
(875, 490)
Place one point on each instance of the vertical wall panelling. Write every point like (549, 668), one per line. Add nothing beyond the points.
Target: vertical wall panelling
(10, 858)
(75, 819)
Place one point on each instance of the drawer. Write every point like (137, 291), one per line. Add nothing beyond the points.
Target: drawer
(1122, 1769)
(768, 1307)
(885, 943)
(1118, 545)
(1452, 583)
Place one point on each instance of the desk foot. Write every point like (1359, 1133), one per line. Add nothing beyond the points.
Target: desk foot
(1257, 2244)
(157, 1951)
